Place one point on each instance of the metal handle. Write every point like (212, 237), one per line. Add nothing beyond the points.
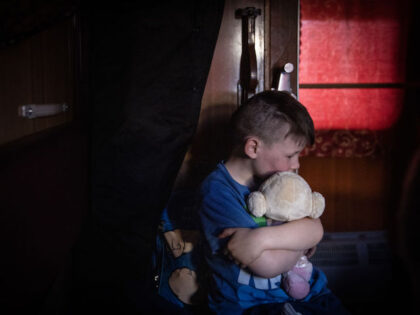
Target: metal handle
(284, 81)
(248, 80)
(36, 110)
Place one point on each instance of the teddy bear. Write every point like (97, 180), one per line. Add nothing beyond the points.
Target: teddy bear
(286, 196)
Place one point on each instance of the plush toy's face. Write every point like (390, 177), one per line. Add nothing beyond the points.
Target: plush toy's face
(286, 196)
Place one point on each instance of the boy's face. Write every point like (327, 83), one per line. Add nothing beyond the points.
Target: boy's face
(280, 156)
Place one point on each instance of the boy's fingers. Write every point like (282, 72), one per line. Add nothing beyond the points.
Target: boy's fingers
(230, 257)
(310, 252)
(237, 262)
(226, 233)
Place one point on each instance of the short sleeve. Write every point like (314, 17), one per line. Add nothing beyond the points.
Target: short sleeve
(222, 207)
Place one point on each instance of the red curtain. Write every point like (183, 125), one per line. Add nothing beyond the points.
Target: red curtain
(352, 69)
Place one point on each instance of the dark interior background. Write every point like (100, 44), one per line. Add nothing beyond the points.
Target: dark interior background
(80, 196)
(80, 201)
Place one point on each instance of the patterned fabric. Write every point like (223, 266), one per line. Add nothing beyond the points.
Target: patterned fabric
(345, 143)
(180, 272)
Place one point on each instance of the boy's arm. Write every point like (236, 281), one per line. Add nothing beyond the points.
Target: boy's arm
(277, 245)
(273, 262)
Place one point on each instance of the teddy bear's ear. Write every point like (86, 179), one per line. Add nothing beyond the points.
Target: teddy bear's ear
(257, 204)
(318, 205)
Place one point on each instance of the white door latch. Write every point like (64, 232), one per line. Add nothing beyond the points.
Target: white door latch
(41, 110)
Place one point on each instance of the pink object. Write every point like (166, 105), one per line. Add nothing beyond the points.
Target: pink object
(296, 281)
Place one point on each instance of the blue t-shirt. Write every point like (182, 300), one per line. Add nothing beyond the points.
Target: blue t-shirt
(223, 205)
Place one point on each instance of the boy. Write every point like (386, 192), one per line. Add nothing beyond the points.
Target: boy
(246, 261)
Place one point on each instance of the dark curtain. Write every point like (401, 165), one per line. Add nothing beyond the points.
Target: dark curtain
(149, 63)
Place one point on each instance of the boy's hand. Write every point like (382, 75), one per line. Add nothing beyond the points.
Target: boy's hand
(244, 247)
(310, 252)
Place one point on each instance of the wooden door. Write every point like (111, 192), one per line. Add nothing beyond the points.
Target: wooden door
(276, 44)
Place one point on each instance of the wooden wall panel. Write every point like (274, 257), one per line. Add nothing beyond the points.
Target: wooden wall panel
(36, 70)
(356, 191)
(220, 96)
(15, 88)
(283, 41)
(44, 178)
(57, 72)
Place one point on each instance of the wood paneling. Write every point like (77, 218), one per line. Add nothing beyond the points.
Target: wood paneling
(37, 70)
(283, 41)
(220, 96)
(15, 88)
(57, 72)
(44, 179)
(356, 191)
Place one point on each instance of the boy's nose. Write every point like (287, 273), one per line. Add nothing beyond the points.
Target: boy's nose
(295, 165)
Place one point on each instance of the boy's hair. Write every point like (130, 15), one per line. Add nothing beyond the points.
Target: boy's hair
(264, 114)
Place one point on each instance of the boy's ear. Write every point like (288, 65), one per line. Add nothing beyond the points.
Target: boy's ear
(251, 147)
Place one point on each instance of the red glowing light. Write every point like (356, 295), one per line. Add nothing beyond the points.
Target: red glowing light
(352, 42)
